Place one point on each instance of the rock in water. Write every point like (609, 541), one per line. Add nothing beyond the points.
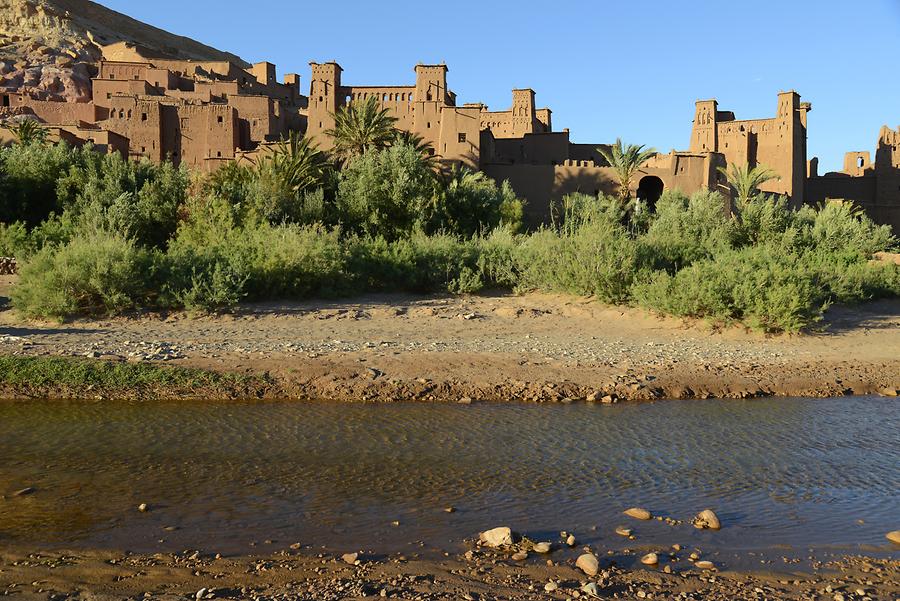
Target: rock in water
(570, 540)
(705, 565)
(650, 559)
(143, 507)
(623, 531)
(707, 519)
(542, 547)
(497, 537)
(588, 564)
(894, 537)
(351, 558)
(639, 513)
(520, 556)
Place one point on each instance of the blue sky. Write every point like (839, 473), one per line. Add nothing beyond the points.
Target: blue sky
(607, 69)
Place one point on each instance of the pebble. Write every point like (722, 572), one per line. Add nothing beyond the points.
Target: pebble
(705, 565)
(623, 531)
(542, 547)
(571, 540)
(894, 537)
(520, 556)
(639, 513)
(143, 507)
(200, 594)
(25, 492)
(351, 558)
(588, 564)
(591, 589)
(650, 559)
(550, 587)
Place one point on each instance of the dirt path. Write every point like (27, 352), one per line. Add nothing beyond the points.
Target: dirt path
(531, 347)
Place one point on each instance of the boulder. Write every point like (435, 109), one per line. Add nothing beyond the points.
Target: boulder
(588, 564)
(497, 537)
(639, 513)
(707, 519)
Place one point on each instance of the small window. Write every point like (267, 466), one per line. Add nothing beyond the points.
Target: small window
(859, 162)
(428, 125)
(108, 95)
(220, 119)
(143, 149)
(143, 116)
(462, 138)
(219, 153)
(6, 100)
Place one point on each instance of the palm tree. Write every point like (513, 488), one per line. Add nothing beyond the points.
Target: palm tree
(26, 131)
(361, 126)
(297, 163)
(746, 181)
(625, 161)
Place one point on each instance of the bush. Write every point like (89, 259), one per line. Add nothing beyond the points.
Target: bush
(843, 227)
(28, 180)
(140, 199)
(763, 287)
(466, 203)
(216, 266)
(383, 192)
(93, 274)
(687, 229)
(592, 255)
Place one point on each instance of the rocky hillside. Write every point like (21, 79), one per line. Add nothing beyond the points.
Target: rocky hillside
(50, 47)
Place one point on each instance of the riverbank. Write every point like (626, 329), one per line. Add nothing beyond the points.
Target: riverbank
(494, 348)
(301, 574)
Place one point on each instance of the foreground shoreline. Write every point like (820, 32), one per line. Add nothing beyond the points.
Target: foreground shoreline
(535, 348)
(301, 574)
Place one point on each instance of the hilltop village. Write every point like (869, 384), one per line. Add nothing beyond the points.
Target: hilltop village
(206, 113)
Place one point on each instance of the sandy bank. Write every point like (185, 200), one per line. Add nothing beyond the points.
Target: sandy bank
(532, 347)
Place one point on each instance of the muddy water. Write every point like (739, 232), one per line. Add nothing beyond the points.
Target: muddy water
(229, 477)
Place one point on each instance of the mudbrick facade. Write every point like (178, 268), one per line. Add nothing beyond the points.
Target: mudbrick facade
(203, 113)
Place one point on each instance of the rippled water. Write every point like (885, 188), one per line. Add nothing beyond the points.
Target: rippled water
(778, 472)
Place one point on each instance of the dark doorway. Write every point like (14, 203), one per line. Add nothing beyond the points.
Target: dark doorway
(6, 100)
(650, 188)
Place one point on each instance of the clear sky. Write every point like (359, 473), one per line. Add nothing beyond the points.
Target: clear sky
(607, 69)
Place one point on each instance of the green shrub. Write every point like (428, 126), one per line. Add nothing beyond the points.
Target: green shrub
(140, 199)
(595, 257)
(687, 229)
(382, 193)
(100, 273)
(28, 180)
(763, 287)
(466, 203)
(843, 227)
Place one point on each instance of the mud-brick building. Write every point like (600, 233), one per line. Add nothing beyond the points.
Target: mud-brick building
(198, 113)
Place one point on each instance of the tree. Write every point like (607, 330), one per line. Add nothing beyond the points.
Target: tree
(746, 181)
(625, 161)
(361, 126)
(467, 202)
(27, 131)
(414, 140)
